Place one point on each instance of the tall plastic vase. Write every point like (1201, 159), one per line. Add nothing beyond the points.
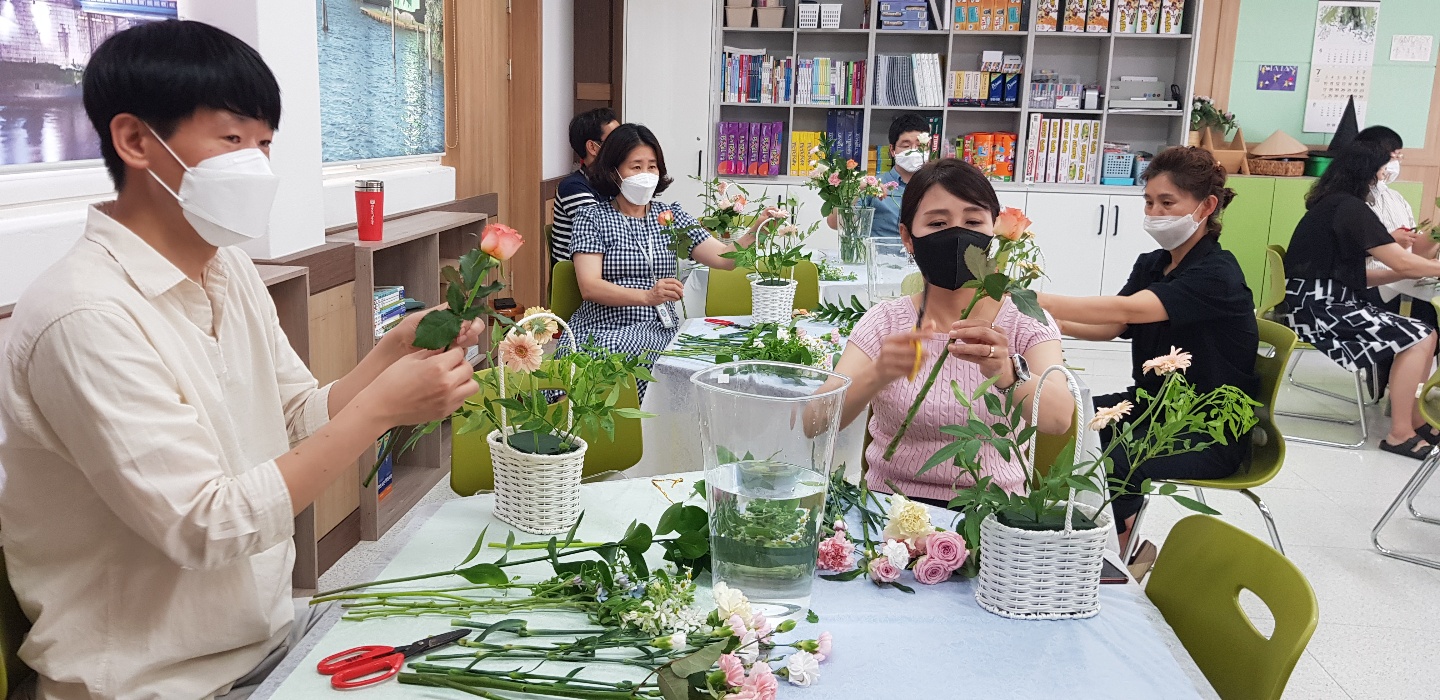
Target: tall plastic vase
(855, 224)
(767, 432)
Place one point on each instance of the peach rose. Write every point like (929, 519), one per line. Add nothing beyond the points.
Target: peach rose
(665, 217)
(500, 241)
(1011, 224)
(851, 164)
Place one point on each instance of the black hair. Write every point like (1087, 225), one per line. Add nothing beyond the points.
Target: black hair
(906, 123)
(589, 126)
(1195, 171)
(958, 178)
(1383, 135)
(162, 72)
(1353, 172)
(604, 173)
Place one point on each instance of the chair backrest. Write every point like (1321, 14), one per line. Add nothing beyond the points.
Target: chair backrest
(471, 470)
(564, 289)
(1430, 408)
(1267, 454)
(1274, 292)
(1047, 447)
(13, 627)
(807, 288)
(1196, 584)
(914, 283)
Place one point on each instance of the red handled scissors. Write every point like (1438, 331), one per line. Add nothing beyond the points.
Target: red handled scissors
(367, 665)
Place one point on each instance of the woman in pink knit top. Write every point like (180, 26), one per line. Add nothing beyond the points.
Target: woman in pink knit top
(948, 207)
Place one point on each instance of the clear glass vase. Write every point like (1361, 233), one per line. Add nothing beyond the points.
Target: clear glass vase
(767, 433)
(855, 224)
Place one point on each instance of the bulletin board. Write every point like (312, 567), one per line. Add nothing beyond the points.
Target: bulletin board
(1282, 32)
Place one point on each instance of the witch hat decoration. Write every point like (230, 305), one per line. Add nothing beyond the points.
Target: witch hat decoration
(1348, 129)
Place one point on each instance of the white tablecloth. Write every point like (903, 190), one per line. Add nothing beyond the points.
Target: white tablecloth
(937, 643)
(888, 285)
(671, 442)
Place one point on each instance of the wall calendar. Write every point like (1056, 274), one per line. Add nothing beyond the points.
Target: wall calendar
(1341, 62)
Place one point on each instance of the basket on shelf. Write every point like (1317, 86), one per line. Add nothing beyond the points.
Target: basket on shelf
(771, 303)
(1043, 575)
(1273, 167)
(539, 494)
(1118, 169)
(809, 16)
(830, 15)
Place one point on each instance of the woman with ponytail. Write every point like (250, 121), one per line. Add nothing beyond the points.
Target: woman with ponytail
(1189, 294)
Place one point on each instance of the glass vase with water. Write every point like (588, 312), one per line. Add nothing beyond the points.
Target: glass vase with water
(855, 225)
(768, 432)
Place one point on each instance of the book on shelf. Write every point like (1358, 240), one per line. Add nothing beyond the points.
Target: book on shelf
(825, 81)
(845, 128)
(749, 148)
(996, 84)
(909, 80)
(751, 76)
(1062, 151)
(385, 475)
(389, 307)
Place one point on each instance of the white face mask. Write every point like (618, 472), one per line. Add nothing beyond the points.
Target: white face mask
(1392, 172)
(911, 161)
(227, 198)
(1171, 231)
(639, 189)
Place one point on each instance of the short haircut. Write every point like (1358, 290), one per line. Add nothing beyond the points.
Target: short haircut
(958, 178)
(604, 173)
(907, 123)
(1383, 135)
(163, 72)
(589, 126)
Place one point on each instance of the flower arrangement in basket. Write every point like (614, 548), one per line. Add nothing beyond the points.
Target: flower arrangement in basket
(1040, 552)
(777, 249)
(537, 453)
(841, 183)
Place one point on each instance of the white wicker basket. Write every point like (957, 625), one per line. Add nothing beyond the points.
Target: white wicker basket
(771, 303)
(1044, 575)
(539, 494)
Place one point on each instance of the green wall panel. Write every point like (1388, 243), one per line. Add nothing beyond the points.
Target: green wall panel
(1247, 226)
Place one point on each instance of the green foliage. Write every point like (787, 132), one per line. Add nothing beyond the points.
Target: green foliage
(465, 301)
(778, 247)
(765, 341)
(844, 315)
(725, 213)
(829, 272)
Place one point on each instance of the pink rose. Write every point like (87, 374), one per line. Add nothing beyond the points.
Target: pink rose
(834, 179)
(822, 650)
(871, 180)
(946, 547)
(882, 570)
(930, 571)
(500, 241)
(761, 683)
(734, 670)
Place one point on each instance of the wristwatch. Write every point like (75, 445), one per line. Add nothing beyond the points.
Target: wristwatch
(1022, 372)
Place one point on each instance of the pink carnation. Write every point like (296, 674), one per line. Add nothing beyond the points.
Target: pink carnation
(930, 571)
(823, 647)
(761, 626)
(761, 683)
(834, 179)
(882, 570)
(946, 547)
(737, 626)
(734, 670)
(837, 553)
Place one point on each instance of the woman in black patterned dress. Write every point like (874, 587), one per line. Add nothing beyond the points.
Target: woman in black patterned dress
(1325, 267)
(623, 262)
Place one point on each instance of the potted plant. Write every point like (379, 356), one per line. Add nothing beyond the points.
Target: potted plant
(841, 183)
(1038, 555)
(535, 446)
(778, 247)
(1204, 114)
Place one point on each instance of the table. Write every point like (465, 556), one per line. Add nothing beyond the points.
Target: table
(888, 285)
(935, 643)
(670, 437)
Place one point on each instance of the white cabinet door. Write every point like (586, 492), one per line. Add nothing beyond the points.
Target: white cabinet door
(1071, 230)
(1125, 240)
(1011, 198)
(670, 95)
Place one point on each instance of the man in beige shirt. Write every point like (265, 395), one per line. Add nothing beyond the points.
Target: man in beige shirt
(159, 432)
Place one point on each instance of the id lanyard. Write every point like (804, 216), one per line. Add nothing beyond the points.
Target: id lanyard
(667, 319)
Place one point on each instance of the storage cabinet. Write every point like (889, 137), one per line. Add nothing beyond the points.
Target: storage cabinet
(1090, 241)
(1126, 241)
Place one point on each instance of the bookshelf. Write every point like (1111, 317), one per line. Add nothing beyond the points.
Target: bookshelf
(411, 255)
(1096, 58)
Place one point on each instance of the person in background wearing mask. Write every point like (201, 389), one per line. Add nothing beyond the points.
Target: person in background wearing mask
(910, 149)
(1399, 219)
(623, 262)
(1324, 300)
(949, 208)
(1191, 295)
(587, 132)
(160, 433)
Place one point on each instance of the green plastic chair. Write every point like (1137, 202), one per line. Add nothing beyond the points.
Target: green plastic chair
(1430, 410)
(914, 283)
(728, 291)
(13, 627)
(807, 288)
(471, 470)
(1267, 454)
(1274, 293)
(1196, 584)
(564, 290)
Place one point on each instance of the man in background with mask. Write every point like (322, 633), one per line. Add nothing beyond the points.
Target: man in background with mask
(587, 133)
(910, 149)
(160, 433)
(1399, 219)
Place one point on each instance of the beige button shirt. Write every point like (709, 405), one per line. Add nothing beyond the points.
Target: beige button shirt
(145, 524)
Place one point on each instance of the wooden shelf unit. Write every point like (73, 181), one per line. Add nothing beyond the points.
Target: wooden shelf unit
(411, 256)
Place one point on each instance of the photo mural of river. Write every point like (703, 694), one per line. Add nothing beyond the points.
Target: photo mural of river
(382, 86)
(44, 46)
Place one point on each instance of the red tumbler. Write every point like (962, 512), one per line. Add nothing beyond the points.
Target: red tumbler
(370, 208)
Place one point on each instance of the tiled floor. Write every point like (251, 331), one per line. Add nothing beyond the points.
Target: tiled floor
(1378, 617)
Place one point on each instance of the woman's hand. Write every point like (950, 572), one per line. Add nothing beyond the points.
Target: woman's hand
(897, 355)
(986, 347)
(403, 334)
(667, 289)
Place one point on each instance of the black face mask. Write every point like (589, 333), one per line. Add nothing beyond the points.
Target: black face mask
(941, 255)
